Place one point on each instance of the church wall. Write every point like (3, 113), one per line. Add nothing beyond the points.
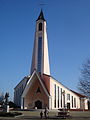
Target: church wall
(62, 100)
(33, 95)
(86, 103)
(18, 90)
(46, 81)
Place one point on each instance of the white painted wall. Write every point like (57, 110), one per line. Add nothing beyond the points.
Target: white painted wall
(67, 91)
(18, 90)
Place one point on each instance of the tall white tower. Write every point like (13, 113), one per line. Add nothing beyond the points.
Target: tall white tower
(40, 58)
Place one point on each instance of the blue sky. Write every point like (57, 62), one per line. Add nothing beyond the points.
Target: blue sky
(68, 27)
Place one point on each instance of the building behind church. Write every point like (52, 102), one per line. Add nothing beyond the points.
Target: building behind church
(40, 89)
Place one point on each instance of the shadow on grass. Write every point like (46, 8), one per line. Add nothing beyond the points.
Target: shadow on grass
(9, 114)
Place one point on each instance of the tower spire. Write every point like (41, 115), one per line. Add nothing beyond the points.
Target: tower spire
(41, 16)
(40, 58)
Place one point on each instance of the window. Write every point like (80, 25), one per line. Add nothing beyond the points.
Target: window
(74, 102)
(68, 96)
(39, 54)
(55, 96)
(40, 27)
(58, 96)
(61, 97)
(64, 98)
(38, 90)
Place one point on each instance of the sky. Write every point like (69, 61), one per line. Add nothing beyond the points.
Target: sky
(68, 29)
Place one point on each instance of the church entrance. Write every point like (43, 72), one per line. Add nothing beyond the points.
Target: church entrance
(38, 104)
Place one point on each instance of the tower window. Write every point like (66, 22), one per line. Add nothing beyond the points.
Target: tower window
(40, 27)
(39, 54)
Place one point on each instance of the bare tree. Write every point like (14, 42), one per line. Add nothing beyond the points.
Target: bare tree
(1, 97)
(84, 81)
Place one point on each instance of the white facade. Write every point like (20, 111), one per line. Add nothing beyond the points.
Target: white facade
(65, 98)
(63, 91)
(18, 90)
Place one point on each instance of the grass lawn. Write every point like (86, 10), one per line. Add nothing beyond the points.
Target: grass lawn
(35, 115)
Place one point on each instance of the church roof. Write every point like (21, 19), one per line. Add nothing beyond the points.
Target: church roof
(41, 16)
(29, 84)
(26, 78)
(78, 94)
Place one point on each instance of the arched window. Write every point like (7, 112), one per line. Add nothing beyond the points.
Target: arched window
(40, 27)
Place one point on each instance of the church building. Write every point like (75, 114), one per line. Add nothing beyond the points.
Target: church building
(40, 89)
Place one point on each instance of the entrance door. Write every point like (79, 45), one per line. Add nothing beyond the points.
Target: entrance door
(68, 105)
(38, 104)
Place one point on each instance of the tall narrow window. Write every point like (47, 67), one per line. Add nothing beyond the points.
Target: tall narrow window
(58, 96)
(39, 54)
(75, 102)
(40, 27)
(64, 98)
(72, 101)
(61, 97)
(55, 96)
(68, 96)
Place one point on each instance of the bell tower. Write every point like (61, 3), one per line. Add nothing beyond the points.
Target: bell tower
(40, 57)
